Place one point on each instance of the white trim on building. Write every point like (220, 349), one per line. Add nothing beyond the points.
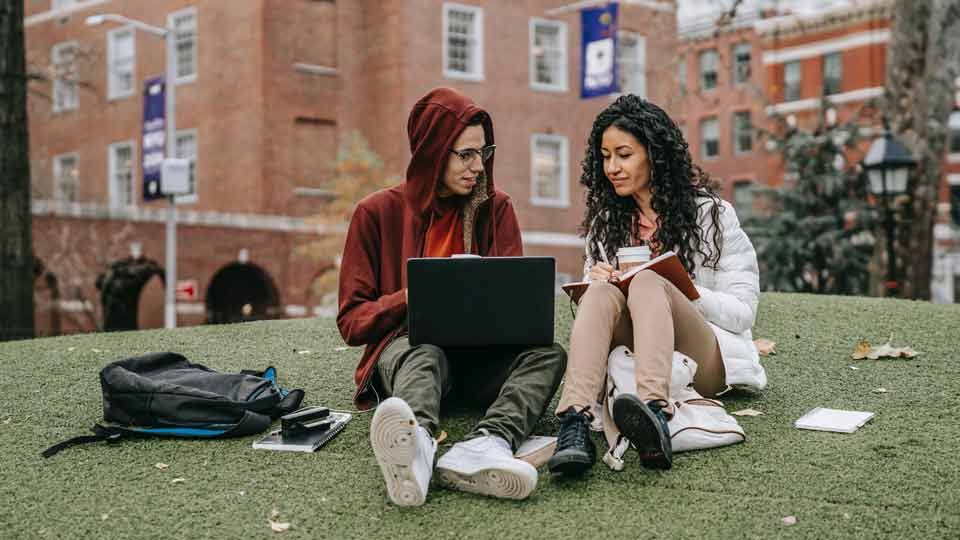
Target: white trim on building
(820, 48)
(809, 104)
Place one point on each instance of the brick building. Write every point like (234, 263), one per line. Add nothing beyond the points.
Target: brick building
(265, 91)
(765, 64)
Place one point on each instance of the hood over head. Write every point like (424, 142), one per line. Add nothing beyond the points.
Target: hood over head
(435, 122)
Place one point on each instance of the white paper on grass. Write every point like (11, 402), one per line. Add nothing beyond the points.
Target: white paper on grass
(823, 419)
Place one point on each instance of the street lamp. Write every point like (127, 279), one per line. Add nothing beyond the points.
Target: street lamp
(170, 121)
(888, 163)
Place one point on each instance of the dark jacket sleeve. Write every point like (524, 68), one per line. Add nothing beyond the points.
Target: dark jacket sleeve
(366, 314)
(509, 241)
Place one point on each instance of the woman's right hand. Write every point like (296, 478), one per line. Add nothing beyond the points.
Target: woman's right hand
(602, 271)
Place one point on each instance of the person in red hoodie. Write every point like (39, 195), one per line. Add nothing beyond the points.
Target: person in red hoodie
(448, 205)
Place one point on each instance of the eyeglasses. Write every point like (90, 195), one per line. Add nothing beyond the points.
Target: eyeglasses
(467, 155)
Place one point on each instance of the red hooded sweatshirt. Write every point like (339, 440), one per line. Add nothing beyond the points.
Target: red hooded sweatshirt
(389, 226)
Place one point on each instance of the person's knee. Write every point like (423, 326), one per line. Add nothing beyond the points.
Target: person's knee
(556, 357)
(603, 293)
(427, 356)
(647, 282)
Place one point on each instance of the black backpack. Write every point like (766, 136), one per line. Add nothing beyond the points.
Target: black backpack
(163, 394)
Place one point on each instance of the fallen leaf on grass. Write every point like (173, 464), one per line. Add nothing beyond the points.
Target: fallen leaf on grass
(442, 437)
(864, 350)
(103, 517)
(178, 480)
(96, 350)
(340, 349)
(880, 391)
(71, 349)
(7, 420)
(747, 412)
(162, 466)
(789, 520)
(855, 368)
(305, 351)
(765, 347)
(276, 525)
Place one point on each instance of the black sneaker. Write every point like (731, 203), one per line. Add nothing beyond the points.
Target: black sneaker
(575, 451)
(646, 427)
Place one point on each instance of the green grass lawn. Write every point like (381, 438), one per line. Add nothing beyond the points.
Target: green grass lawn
(898, 477)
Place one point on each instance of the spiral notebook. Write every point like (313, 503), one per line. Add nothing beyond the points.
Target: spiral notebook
(307, 442)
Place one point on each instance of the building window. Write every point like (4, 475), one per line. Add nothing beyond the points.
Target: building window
(742, 132)
(741, 64)
(548, 55)
(64, 60)
(120, 173)
(743, 198)
(462, 42)
(791, 81)
(953, 180)
(632, 63)
(121, 60)
(708, 69)
(184, 23)
(832, 73)
(185, 147)
(66, 177)
(549, 171)
(709, 138)
(953, 135)
(682, 75)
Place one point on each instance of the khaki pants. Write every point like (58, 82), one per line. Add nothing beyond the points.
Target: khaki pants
(655, 320)
(513, 385)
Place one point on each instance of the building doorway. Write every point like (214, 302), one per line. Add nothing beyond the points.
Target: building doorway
(241, 292)
(120, 287)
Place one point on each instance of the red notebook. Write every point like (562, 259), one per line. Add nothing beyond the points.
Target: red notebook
(667, 265)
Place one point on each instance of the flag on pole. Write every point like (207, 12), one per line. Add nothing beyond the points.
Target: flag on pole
(598, 52)
(154, 136)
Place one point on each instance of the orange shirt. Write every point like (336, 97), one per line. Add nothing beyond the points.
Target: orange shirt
(445, 235)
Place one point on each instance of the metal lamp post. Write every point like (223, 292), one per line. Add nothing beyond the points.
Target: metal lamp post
(888, 163)
(170, 121)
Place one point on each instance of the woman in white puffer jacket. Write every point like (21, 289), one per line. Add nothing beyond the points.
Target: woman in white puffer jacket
(643, 189)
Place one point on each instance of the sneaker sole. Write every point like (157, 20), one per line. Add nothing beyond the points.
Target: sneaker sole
(639, 424)
(393, 436)
(510, 481)
(569, 465)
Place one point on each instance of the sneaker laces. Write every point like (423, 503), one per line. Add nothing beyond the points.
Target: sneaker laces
(574, 429)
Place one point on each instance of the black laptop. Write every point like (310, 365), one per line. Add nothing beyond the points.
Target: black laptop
(481, 301)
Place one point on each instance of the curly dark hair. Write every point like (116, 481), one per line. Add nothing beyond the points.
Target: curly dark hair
(675, 184)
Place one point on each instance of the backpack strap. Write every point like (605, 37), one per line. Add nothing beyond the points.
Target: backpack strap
(100, 433)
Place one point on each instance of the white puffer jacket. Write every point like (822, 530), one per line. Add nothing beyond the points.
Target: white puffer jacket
(729, 295)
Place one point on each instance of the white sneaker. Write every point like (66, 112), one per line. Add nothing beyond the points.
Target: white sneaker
(404, 451)
(486, 466)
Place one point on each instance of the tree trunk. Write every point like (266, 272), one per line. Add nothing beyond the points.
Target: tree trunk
(16, 243)
(922, 64)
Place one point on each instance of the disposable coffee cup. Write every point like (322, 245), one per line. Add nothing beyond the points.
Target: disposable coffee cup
(628, 257)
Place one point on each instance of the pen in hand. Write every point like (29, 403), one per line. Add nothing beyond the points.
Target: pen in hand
(603, 255)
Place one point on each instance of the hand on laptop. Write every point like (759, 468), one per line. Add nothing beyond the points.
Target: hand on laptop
(603, 272)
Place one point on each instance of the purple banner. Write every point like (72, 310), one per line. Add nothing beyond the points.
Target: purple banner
(154, 137)
(598, 66)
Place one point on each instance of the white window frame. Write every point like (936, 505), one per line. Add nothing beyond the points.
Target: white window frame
(477, 73)
(734, 70)
(823, 73)
(563, 199)
(561, 74)
(703, 140)
(192, 11)
(60, 83)
(112, 81)
(112, 185)
(638, 62)
(953, 125)
(786, 81)
(682, 75)
(742, 183)
(737, 151)
(701, 73)
(191, 197)
(58, 175)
